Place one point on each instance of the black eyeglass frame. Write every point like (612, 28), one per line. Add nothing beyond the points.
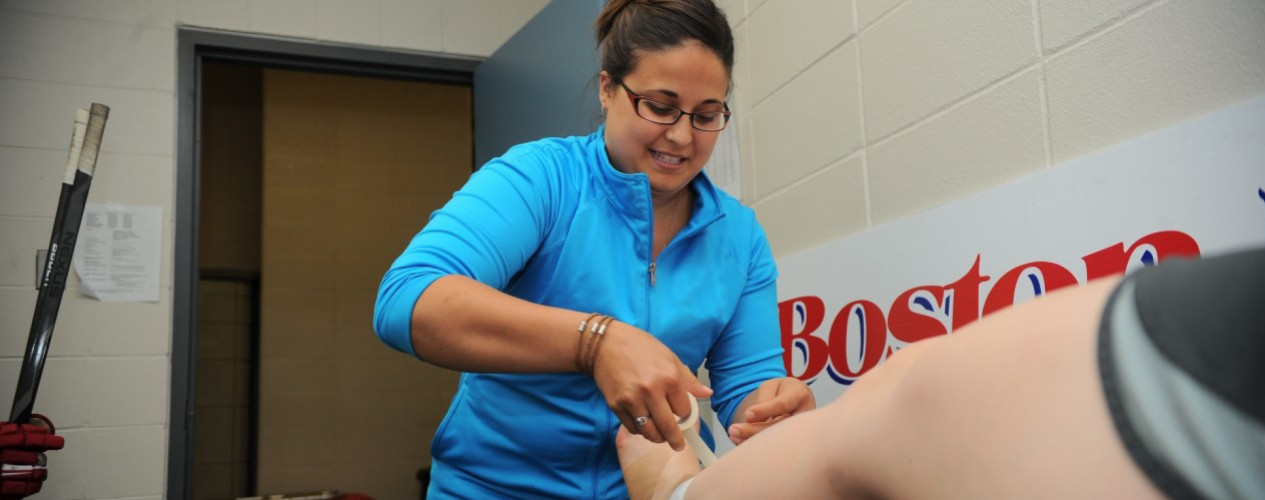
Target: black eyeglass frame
(635, 98)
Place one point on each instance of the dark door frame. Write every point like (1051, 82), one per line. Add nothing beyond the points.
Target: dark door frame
(195, 45)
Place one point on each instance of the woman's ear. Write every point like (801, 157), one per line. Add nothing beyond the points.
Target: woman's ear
(604, 89)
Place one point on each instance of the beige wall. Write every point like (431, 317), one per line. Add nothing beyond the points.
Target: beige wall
(853, 114)
(107, 380)
(352, 169)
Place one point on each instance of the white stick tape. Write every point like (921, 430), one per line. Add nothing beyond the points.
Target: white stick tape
(76, 145)
(687, 424)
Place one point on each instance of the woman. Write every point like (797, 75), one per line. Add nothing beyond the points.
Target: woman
(580, 282)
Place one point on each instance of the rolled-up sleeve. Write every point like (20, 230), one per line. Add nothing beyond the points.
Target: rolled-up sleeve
(749, 350)
(487, 232)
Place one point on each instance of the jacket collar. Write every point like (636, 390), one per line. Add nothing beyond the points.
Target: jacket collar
(630, 193)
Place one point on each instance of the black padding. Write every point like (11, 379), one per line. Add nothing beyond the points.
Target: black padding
(1208, 317)
(1160, 472)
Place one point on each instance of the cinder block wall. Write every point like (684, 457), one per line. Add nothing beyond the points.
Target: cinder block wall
(107, 381)
(853, 113)
(857, 113)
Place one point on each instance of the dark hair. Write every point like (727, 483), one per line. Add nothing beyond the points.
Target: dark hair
(626, 28)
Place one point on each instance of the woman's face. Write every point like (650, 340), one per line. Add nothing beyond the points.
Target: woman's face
(690, 77)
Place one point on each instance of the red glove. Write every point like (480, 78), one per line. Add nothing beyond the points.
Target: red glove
(22, 448)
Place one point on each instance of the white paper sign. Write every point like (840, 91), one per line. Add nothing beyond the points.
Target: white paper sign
(118, 253)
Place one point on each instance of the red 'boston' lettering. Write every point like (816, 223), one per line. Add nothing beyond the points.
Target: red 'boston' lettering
(909, 326)
(1003, 293)
(960, 299)
(1115, 258)
(966, 295)
(815, 347)
(873, 338)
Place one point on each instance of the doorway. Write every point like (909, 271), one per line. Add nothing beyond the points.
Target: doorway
(310, 176)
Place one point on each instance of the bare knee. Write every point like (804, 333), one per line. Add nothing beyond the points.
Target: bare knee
(874, 390)
(864, 419)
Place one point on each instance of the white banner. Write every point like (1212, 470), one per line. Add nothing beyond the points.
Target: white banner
(1193, 189)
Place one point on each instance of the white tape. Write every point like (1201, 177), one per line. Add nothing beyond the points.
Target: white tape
(687, 425)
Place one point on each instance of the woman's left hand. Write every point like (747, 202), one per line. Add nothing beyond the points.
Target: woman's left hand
(770, 403)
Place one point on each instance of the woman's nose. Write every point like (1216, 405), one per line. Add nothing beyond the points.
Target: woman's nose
(681, 132)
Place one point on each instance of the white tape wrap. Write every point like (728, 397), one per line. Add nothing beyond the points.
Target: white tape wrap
(687, 424)
(76, 145)
(97, 114)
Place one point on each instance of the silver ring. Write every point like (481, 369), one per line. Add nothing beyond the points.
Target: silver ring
(640, 421)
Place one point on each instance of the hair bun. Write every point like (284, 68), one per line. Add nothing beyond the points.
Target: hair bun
(606, 19)
(627, 28)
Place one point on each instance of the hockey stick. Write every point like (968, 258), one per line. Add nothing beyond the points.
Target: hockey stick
(57, 268)
(68, 182)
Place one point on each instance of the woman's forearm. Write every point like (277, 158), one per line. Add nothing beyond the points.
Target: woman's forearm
(461, 324)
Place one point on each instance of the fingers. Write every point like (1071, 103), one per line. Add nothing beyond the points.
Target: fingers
(771, 402)
(681, 400)
(768, 402)
(665, 421)
(777, 397)
(694, 386)
(742, 432)
(628, 421)
(641, 377)
(770, 409)
(663, 415)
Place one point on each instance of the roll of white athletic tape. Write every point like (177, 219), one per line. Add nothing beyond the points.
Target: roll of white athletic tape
(704, 454)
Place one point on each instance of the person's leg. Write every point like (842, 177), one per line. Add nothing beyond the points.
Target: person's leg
(1008, 407)
(1011, 406)
(784, 461)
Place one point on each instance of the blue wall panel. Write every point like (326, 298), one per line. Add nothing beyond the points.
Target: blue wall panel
(540, 83)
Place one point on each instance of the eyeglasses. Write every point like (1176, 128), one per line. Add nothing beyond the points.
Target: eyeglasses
(666, 114)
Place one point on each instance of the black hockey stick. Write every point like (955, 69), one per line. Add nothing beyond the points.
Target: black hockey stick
(57, 269)
(67, 183)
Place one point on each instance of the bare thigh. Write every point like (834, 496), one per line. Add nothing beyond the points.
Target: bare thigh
(1008, 407)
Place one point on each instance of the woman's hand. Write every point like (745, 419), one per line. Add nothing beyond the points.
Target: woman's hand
(641, 377)
(772, 402)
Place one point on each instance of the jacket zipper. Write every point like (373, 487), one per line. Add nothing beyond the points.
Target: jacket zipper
(650, 253)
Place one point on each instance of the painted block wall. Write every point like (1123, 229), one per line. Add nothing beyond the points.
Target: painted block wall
(856, 113)
(853, 113)
(107, 380)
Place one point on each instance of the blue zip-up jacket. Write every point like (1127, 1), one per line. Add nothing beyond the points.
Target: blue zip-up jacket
(553, 222)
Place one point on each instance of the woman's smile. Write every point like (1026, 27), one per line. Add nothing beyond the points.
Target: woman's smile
(669, 162)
